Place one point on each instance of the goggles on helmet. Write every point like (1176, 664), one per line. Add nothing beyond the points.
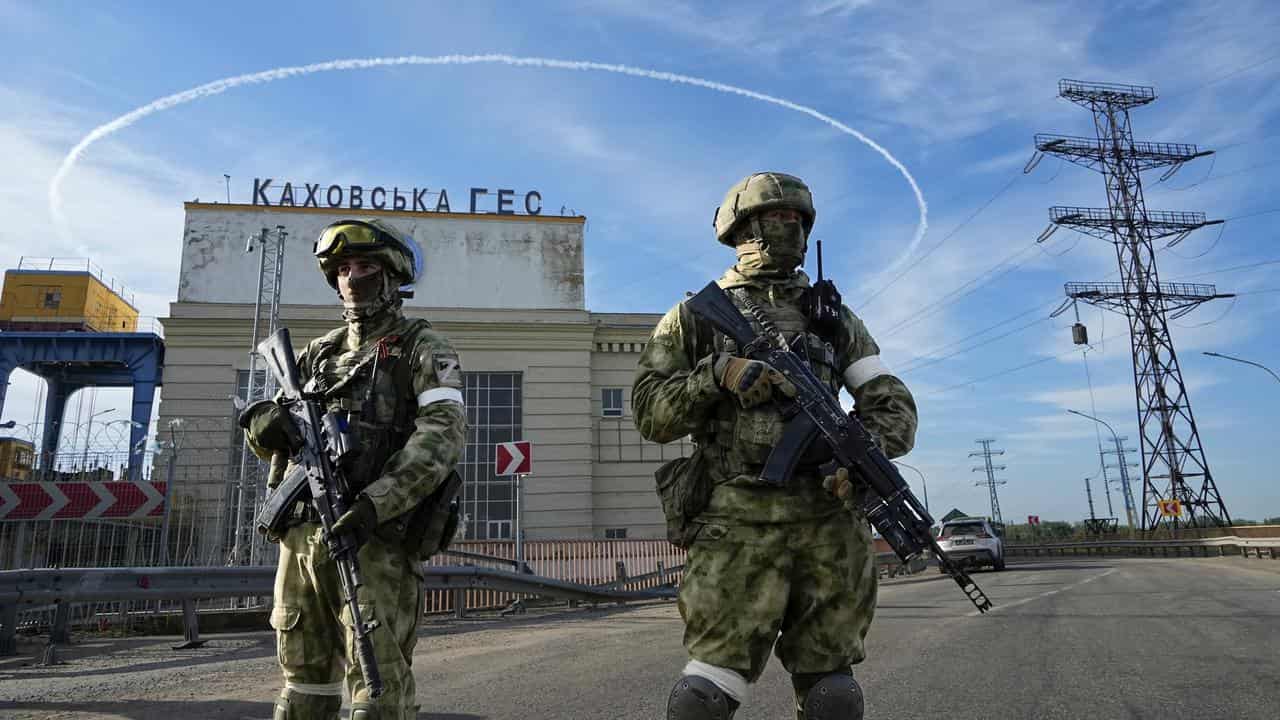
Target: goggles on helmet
(351, 236)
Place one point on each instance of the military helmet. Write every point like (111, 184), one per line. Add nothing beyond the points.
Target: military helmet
(758, 192)
(394, 250)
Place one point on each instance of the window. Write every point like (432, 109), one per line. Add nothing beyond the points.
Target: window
(494, 415)
(962, 529)
(615, 533)
(53, 298)
(242, 392)
(611, 402)
(242, 384)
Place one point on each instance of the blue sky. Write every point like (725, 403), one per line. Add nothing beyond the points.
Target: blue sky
(955, 90)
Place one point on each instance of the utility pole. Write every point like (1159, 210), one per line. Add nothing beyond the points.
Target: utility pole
(1123, 465)
(985, 453)
(251, 481)
(1172, 454)
(1089, 494)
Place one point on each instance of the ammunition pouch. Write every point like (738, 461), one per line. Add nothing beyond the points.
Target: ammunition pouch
(430, 526)
(684, 487)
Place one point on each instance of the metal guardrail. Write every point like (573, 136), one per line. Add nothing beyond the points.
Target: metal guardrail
(63, 587)
(1192, 547)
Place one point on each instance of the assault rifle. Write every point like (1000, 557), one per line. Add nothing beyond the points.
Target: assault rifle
(815, 414)
(325, 445)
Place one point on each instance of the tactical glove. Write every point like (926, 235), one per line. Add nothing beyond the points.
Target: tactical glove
(843, 488)
(361, 518)
(270, 427)
(751, 381)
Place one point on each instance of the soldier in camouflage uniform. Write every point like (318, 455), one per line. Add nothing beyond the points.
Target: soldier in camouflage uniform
(789, 569)
(397, 382)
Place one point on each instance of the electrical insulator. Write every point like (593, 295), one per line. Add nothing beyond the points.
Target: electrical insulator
(1080, 334)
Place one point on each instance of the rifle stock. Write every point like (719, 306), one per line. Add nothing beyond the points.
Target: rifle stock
(891, 506)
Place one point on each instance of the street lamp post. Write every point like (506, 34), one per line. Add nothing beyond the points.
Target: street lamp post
(168, 489)
(84, 462)
(1246, 362)
(923, 486)
(1124, 471)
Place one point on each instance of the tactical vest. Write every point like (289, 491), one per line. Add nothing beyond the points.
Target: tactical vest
(372, 390)
(741, 439)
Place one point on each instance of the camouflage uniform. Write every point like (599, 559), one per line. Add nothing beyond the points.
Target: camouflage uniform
(770, 560)
(411, 429)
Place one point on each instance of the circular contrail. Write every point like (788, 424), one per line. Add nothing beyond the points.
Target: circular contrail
(220, 86)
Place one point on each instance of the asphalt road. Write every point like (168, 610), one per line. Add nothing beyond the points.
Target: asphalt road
(1186, 638)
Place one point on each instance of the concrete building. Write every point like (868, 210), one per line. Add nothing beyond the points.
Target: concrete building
(506, 289)
(16, 458)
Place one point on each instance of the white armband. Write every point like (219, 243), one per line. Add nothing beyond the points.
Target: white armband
(328, 689)
(733, 684)
(863, 371)
(440, 394)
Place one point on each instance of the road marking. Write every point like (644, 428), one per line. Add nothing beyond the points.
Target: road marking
(1044, 594)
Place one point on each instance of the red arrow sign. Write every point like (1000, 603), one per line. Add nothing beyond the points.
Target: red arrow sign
(80, 500)
(29, 500)
(514, 458)
(129, 498)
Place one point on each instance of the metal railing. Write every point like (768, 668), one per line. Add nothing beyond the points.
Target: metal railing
(1190, 547)
(55, 264)
(48, 597)
(57, 590)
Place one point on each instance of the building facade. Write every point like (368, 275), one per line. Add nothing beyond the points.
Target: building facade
(54, 297)
(507, 290)
(16, 458)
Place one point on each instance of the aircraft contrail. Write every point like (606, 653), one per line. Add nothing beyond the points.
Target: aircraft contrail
(218, 87)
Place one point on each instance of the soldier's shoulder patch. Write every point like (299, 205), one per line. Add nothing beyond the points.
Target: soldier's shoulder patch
(447, 367)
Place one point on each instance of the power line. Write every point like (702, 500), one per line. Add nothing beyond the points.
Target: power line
(942, 348)
(1215, 178)
(1001, 373)
(988, 341)
(1220, 78)
(935, 306)
(1213, 162)
(1221, 229)
(1225, 313)
(1253, 214)
(1235, 268)
(941, 242)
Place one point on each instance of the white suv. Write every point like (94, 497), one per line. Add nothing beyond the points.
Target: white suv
(971, 541)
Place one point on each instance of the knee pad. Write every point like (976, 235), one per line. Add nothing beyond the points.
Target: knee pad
(697, 698)
(293, 705)
(833, 696)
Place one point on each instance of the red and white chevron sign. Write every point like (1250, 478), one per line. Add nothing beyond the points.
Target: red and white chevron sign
(81, 500)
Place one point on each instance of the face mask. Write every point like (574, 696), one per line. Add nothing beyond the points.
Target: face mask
(375, 292)
(779, 249)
